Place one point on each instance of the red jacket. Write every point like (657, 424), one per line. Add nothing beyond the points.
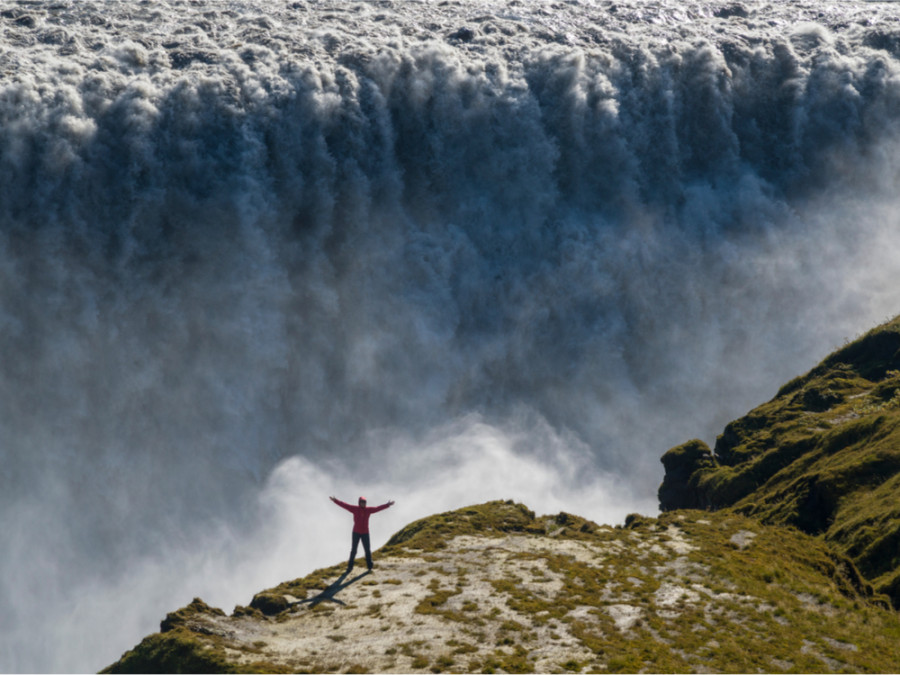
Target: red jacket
(360, 514)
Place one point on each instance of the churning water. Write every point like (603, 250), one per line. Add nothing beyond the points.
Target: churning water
(252, 253)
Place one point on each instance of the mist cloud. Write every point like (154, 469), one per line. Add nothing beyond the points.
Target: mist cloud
(252, 255)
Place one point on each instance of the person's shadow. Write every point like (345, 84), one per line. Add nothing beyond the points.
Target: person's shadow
(330, 592)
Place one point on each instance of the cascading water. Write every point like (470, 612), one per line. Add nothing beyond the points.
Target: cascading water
(255, 252)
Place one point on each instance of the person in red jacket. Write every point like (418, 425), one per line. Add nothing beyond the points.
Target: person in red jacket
(361, 515)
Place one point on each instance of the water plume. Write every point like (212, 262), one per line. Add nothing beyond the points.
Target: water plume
(252, 245)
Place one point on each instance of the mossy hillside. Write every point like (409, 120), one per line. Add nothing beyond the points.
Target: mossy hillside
(823, 455)
(494, 518)
(738, 605)
(690, 591)
(185, 644)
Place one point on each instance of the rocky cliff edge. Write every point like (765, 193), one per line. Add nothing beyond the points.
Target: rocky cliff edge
(494, 588)
(822, 456)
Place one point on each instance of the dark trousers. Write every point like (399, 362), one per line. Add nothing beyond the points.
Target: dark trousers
(364, 538)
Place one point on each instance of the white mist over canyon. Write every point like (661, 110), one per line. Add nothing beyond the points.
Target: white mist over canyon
(256, 253)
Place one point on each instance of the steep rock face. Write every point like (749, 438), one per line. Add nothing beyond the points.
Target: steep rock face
(823, 455)
(495, 588)
(684, 465)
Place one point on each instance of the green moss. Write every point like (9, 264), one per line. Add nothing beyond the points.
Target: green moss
(444, 662)
(435, 602)
(185, 645)
(430, 534)
(185, 614)
(269, 603)
(179, 650)
(251, 612)
(515, 660)
(410, 648)
(463, 648)
(176, 651)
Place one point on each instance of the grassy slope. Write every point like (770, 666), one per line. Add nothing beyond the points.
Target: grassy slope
(704, 592)
(823, 456)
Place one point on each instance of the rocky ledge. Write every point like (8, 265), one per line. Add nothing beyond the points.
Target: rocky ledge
(493, 588)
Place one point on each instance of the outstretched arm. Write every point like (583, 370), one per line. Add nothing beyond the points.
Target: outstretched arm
(382, 507)
(341, 504)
